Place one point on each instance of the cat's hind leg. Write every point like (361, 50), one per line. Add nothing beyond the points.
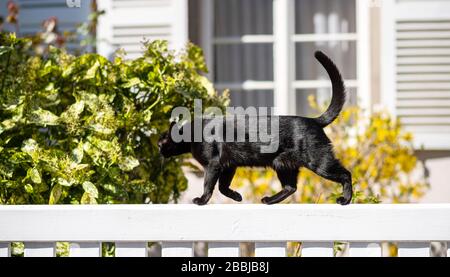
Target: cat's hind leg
(331, 168)
(224, 184)
(288, 179)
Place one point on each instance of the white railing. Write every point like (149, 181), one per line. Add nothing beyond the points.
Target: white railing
(364, 227)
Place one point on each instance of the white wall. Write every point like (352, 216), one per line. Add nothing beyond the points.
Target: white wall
(437, 166)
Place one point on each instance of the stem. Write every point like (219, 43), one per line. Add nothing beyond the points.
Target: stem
(6, 70)
(17, 27)
(94, 24)
(154, 104)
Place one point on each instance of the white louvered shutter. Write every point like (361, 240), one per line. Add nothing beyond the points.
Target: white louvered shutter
(32, 14)
(422, 38)
(128, 22)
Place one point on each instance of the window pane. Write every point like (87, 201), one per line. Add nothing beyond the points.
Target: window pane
(323, 97)
(251, 98)
(343, 53)
(325, 16)
(241, 62)
(238, 17)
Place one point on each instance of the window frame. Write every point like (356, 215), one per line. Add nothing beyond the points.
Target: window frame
(209, 41)
(284, 40)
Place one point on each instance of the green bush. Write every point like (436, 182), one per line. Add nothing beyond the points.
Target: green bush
(83, 130)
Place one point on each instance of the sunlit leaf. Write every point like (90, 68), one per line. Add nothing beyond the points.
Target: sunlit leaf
(78, 153)
(55, 194)
(31, 147)
(90, 74)
(64, 182)
(128, 163)
(132, 82)
(91, 189)
(44, 117)
(35, 175)
(29, 188)
(87, 199)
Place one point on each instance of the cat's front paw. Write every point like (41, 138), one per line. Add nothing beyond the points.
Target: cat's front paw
(199, 201)
(236, 196)
(343, 201)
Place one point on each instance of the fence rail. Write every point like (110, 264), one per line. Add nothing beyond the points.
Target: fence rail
(131, 227)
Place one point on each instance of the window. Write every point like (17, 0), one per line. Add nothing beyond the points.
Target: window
(416, 68)
(263, 50)
(329, 26)
(237, 38)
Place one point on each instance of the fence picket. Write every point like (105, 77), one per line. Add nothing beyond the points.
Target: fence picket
(413, 249)
(438, 249)
(317, 249)
(365, 249)
(131, 249)
(5, 249)
(223, 249)
(270, 249)
(177, 249)
(85, 249)
(39, 249)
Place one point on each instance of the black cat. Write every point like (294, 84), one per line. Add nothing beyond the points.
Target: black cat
(302, 143)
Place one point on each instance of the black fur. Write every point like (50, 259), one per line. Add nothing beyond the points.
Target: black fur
(302, 143)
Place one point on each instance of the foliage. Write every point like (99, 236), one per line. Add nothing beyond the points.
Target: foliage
(84, 129)
(373, 147)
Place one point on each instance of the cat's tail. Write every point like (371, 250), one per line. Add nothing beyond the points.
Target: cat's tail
(339, 93)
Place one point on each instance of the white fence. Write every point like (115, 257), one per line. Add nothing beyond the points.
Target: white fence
(364, 227)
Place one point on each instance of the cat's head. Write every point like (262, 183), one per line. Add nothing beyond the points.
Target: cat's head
(169, 148)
